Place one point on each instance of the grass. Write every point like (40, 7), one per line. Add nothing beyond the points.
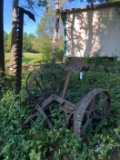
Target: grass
(7, 57)
(28, 58)
(31, 58)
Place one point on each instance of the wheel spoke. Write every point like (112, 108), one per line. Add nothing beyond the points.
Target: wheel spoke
(41, 84)
(46, 117)
(102, 103)
(91, 109)
(85, 126)
(38, 83)
(30, 117)
(42, 81)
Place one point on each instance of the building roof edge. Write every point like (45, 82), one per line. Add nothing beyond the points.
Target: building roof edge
(93, 7)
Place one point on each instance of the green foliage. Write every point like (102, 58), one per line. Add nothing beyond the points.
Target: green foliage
(35, 141)
(7, 40)
(59, 55)
(27, 42)
(46, 24)
(44, 45)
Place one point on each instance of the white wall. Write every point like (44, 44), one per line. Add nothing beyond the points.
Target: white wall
(93, 32)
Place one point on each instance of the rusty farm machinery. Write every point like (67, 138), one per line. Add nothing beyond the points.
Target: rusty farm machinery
(44, 92)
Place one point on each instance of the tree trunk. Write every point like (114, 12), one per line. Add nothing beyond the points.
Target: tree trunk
(13, 52)
(14, 55)
(2, 63)
(55, 33)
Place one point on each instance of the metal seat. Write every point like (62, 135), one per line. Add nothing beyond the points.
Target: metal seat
(74, 64)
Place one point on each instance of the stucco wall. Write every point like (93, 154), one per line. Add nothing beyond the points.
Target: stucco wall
(93, 32)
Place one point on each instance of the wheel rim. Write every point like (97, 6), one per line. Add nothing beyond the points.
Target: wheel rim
(88, 109)
(41, 84)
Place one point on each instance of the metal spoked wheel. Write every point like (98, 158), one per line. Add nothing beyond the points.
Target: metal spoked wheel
(90, 110)
(41, 84)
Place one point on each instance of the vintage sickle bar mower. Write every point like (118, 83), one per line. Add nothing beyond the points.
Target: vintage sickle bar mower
(92, 107)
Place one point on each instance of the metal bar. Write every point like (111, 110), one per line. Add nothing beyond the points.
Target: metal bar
(30, 117)
(66, 84)
(40, 110)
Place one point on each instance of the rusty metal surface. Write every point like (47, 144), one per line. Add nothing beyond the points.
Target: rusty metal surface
(38, 87)
(17, 67)
(41, 108)
(66, 84)
(95, 105)
(74, 64)
(90, 102)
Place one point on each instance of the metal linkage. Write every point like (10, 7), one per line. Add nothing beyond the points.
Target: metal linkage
(91, 108)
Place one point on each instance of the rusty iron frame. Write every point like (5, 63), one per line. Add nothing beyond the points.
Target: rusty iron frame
(82, 106)
(19, 40)
(87, 105)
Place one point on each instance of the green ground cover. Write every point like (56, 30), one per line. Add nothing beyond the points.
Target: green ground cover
(36, 142)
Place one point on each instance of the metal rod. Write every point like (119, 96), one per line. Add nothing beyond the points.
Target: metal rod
(66, 84)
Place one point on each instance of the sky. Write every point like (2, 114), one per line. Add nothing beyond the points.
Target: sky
(29, 25)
